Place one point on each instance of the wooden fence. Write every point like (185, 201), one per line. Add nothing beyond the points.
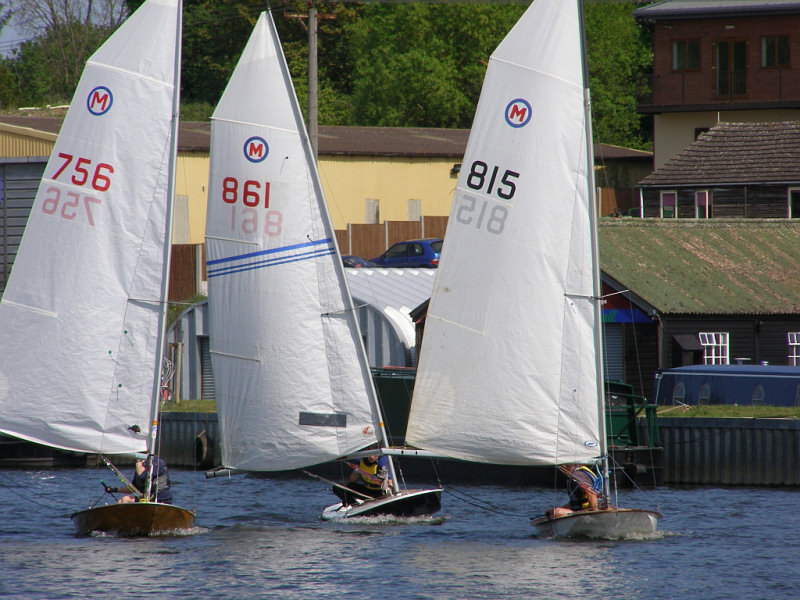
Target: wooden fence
(369, 241)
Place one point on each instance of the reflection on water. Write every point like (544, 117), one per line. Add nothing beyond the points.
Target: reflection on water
(262, 538)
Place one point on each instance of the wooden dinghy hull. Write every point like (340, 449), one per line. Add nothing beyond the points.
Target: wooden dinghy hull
(135, 519)
(617, 523)
(406, 503)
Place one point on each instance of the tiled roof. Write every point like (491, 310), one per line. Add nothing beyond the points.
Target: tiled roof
(716, 266)
(369, 141)
(692, 9)
(735, 153)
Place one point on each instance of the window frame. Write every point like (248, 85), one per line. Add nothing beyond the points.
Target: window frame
(774, 41)
(661, 196)
(708, 211)
(716, 347)
(683, 61)
(789, 212)
(793, 341)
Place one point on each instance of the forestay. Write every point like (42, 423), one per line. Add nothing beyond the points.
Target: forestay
(79, 316)
(507, 372)
(293, 385)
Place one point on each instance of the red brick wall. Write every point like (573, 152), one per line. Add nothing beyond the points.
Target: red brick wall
(763, 84)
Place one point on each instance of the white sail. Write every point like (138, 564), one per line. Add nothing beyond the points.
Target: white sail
(292, 382)
(79, 318)
(508, 368)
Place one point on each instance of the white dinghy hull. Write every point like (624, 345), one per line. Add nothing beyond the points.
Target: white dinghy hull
(617, 523)
(405, 503)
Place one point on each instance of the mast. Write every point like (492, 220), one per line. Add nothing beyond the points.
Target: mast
(167, 251)
(598, 307)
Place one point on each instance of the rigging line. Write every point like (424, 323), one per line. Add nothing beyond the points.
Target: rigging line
(31, 498)
(628, 477)
(479, 503)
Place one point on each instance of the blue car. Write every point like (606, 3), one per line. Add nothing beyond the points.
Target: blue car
(411, 253)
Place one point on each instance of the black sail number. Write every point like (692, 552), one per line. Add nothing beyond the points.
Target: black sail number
(483, 178)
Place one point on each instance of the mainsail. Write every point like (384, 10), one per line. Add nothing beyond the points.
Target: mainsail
(79, 318)
(508, 364)
(292, 382)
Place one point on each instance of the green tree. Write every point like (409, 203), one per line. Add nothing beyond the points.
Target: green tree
(618, 52)
(64, 33)
(422, 65)
(47, 69)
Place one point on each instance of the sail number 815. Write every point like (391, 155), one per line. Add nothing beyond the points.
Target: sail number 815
(481, 179)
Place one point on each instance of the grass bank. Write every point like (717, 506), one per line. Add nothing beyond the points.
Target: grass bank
(191, 406)
(705, 411)
(721, 411)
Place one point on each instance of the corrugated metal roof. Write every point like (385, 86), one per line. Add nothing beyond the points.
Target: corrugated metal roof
(693, 9)
(401, 289)
(735, 153)
(195, 136)
(718, 266)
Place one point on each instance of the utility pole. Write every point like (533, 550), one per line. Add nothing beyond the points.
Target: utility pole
(313, 104)
(313, 18)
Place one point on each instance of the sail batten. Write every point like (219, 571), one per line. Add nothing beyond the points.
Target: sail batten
(507, 371)
(275, 279)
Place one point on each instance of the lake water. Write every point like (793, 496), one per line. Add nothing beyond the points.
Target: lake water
(258, 537)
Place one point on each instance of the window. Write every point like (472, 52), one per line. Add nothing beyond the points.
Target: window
(794, 203)
(731, 68)
(669, 205)
(372, 211)
(758, 396)
(702, 204)
(775, 51)
(685, 55)
(715, 348)
(704, 395)
(698, 131)
(793, 339)
(679, 394)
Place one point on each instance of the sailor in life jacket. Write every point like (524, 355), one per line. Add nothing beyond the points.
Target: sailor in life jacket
(585, 489)
(160, 491)
(369, 477)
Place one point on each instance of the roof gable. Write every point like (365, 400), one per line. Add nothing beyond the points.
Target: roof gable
(735, 153)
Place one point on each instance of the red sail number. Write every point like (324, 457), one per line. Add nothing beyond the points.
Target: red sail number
(82, 173)
(251, 193)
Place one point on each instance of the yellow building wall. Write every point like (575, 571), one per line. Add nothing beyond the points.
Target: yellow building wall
(191, 181)
(18, 142)
(347, 181)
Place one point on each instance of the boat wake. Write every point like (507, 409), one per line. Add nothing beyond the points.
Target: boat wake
(395, 520)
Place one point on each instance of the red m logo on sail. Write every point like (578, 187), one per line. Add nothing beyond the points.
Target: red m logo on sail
(102, 99)
(518, 113)
(99, 100)
(256, 149)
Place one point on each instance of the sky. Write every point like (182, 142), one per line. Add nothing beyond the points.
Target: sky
(9, 39)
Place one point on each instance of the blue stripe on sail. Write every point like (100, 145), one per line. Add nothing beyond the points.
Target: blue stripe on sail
(263, 258)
